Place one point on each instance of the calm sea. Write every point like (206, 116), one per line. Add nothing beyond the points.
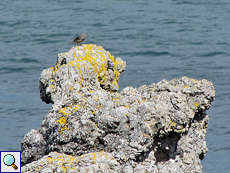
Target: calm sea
(162, 39)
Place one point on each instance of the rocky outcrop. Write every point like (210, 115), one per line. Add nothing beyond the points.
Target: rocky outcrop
(92, 127)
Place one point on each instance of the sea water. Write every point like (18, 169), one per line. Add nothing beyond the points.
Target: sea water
(164, 39)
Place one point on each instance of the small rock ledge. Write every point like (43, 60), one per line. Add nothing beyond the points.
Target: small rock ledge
(93, 128)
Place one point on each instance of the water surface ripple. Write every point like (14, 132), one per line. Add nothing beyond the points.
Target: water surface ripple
(159, 40)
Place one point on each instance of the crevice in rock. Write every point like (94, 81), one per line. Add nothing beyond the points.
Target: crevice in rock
(201, 156)
(166, 147)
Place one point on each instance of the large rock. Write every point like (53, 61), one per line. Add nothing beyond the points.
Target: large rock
(91, 127)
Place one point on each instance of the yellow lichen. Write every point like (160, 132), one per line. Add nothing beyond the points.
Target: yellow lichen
(196, 104)
(61, 159)
(63, 167)
(125, 106)
(173, 125)
(155, 97)
(71, 158)
(51, 68)
(97, 58)
(63, 111)
(71, 88)
(50, 159)
(115, 84)
(94, 158)
(185, 86)
(76, 107)
(53, 87)
(62, 121)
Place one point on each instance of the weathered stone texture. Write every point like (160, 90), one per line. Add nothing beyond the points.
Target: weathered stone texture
(155, 128)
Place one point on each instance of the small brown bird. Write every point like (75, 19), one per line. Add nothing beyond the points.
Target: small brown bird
(79, 39)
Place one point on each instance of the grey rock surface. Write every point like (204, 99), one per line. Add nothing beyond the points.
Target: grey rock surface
(155, 128)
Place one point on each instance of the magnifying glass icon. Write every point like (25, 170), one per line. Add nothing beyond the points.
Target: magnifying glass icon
(9, 160)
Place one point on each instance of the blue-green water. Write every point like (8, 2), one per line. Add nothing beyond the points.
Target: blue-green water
(164, 39)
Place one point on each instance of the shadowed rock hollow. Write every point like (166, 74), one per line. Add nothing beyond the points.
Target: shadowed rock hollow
(91, 127)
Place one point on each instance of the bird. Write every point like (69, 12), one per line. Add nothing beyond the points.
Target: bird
(79, 39)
